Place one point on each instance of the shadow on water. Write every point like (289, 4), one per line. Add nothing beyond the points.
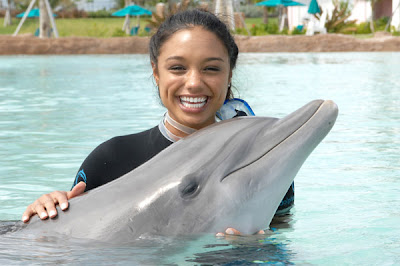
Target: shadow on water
(10, 226)
(206, 249)
(250, 250)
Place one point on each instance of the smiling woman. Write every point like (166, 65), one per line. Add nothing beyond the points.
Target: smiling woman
(192, 57)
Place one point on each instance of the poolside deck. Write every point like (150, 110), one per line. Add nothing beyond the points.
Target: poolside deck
(130, 45)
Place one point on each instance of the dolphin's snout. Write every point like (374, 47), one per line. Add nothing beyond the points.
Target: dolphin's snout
(330, 104)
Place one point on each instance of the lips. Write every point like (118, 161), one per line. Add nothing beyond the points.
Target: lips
(193, 102)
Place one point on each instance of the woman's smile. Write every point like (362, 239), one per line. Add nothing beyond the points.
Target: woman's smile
(193, 103)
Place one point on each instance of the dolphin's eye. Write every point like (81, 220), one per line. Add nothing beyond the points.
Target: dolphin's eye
(190, 189)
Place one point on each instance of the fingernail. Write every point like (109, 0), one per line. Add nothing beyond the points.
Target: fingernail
(219, 234)
(43, 215)
(229, 231)
(52, 213)
(25, 218)
(64, 206)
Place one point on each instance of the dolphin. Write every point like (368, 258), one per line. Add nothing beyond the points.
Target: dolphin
(233, 173)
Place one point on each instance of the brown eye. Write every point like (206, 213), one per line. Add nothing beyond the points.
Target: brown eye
(177, 68)
(213, 69)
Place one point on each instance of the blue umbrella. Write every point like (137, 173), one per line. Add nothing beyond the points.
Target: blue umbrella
(280, 4)
(313, 8)
(132, 10)
(274, 3)
(34, 13)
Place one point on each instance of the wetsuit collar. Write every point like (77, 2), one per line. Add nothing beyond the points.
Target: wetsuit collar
(167, 133)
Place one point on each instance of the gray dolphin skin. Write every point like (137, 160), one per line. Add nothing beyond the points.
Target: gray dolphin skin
(231, 174)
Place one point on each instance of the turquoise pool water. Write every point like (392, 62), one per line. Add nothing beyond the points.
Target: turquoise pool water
(55, 109)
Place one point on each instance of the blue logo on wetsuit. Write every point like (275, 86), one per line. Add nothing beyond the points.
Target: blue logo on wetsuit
(81, 174)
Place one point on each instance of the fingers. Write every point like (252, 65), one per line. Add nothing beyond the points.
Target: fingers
(77, 190)
(261, 232)
(56, 197)
(29, 212)
(45, 206)
(229, 231)
(35, 208)
(233, 231)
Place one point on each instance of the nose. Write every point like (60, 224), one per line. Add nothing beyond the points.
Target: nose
(194, 80)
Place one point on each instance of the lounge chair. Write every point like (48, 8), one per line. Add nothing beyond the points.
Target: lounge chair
(134, 30)
(317, 26)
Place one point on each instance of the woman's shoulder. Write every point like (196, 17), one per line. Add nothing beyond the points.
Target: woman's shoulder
(141, 140)
(131, 137)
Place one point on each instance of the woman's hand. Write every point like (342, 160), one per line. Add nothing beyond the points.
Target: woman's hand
(45, 206)
(232, 231)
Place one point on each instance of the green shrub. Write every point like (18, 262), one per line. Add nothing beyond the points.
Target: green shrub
(380, 23)
(264, 29)
(118, 33)
(255, 30)
(285, 31)
(100, 14)
(363, 28)
(241, 31)
(272, 28)
(338, 21)
(296, 31)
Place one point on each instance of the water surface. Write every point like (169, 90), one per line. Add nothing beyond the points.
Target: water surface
(54, 110)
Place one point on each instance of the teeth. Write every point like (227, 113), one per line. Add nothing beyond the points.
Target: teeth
(193, 102)
(193, 105)
(193, 99)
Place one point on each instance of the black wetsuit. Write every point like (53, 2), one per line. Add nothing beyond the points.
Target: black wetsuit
(120, 155)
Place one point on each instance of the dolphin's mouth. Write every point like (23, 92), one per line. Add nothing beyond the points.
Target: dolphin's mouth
(306, 116)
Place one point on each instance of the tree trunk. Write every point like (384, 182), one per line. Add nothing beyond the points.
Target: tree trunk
(286, 22)
(171, 6)
(127, 23)
(371, 24)
(390, 19)
(7, 18)
(265, 15)
(44, 21)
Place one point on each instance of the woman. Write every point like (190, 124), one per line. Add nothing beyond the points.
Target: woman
(192, 56)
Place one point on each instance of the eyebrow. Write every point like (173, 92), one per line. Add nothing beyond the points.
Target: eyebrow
(207, 59)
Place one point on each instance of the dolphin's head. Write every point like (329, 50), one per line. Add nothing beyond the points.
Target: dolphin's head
(236, 172)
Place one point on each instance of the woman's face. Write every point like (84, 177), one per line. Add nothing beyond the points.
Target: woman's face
(193, 74)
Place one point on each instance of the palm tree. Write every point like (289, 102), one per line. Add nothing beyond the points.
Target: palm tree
(224, 8)
(7, 18)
